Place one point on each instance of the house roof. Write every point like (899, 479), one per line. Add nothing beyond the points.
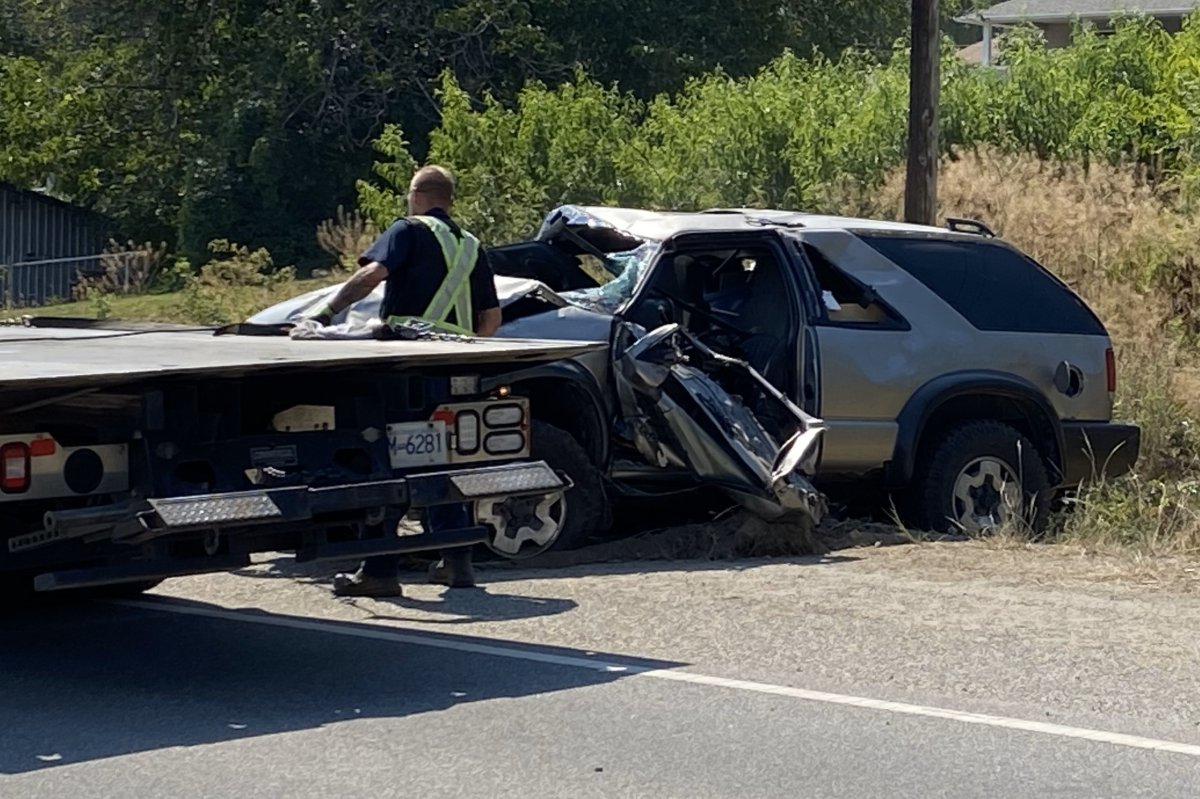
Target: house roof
(1015, 11)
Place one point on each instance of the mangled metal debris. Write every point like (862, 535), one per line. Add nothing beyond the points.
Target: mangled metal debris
(683, 417)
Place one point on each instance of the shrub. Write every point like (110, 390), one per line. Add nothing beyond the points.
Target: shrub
(126, 269)
(234, 285)
(346, 236)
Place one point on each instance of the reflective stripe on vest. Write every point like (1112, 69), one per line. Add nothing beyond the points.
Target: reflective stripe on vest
(454, 293)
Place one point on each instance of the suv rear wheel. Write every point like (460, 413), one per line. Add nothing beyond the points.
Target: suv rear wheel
(981, 477)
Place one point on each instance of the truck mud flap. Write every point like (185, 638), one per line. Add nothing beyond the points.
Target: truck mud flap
(681, 416)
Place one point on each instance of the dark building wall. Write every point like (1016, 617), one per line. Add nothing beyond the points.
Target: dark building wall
(35, 228)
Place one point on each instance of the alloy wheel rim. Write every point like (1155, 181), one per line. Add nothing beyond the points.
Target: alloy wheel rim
(986, 496)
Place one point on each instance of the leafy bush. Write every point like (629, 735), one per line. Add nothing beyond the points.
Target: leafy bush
(234, 285)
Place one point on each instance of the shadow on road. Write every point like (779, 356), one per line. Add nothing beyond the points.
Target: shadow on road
(89, 681)
(470, 606)
(553, 565)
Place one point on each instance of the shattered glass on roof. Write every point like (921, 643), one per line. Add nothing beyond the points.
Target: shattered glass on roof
(609, 297)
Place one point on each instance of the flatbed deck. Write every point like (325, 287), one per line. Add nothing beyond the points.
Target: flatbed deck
(80, 357)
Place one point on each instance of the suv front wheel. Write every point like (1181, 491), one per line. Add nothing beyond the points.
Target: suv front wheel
(981, 477)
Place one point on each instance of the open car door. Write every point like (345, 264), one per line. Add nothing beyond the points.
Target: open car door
(669, 385)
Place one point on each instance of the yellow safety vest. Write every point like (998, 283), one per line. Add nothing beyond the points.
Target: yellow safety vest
(454, 293)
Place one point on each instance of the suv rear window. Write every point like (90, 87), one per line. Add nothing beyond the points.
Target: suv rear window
(992, 286)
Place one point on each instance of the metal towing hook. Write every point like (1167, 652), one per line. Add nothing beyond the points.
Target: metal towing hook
(524, 526)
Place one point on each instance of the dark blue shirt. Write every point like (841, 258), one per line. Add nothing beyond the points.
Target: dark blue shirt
(416, 268)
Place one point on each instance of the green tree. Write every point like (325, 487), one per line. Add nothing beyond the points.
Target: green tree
(198, 119)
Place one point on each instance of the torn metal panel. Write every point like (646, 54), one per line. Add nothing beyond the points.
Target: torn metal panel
(680, 415)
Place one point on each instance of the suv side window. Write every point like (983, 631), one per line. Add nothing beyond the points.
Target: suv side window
(845, 301)
(993, 286)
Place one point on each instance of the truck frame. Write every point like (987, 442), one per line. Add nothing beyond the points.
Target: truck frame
(130, 453)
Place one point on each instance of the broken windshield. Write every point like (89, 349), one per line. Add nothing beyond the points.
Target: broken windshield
(629, 268)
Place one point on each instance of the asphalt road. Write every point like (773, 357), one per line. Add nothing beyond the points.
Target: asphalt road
(207, 694)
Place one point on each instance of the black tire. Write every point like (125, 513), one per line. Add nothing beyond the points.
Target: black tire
(961, 448)
(586, 506)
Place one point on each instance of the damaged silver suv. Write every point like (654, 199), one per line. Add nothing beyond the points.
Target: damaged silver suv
(943, 367)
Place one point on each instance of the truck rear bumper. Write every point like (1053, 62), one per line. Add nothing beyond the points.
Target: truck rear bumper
(1094, 450)
(234, 522)
(303, 503)
(291, 504)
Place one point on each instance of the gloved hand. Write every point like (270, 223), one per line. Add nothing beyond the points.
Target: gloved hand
(322, 315)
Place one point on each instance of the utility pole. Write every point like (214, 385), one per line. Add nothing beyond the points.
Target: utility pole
(920, 187)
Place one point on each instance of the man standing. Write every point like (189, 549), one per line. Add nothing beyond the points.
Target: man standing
(436, 272)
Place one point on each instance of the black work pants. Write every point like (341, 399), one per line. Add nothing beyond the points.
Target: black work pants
(437, 518)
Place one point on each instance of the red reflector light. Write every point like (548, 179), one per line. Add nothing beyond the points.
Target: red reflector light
(41, 447)
(14, 468)
(1110, 366)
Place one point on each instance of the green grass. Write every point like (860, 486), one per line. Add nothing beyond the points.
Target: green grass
(166, 307)
(152, 307)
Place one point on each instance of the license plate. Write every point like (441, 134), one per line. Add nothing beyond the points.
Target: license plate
(417, 444)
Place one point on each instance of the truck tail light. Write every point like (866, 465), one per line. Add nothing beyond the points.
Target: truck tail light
(1110, 366)
(506, 415)
(505, 443)
(14, 468)
(466, 427)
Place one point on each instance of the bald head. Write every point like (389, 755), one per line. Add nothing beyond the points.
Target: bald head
(431, 187)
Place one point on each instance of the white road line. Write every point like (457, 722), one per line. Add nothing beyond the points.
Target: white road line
(534, 655)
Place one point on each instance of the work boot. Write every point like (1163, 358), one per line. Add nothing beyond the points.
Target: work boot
(358, 584)
(454, 569)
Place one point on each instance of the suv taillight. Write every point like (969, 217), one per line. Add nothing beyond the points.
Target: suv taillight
(14, 468)
(1110, 366)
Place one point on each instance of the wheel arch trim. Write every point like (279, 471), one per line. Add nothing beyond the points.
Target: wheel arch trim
(925, 402)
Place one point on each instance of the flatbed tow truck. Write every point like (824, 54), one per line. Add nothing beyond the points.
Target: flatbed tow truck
(130, 453)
